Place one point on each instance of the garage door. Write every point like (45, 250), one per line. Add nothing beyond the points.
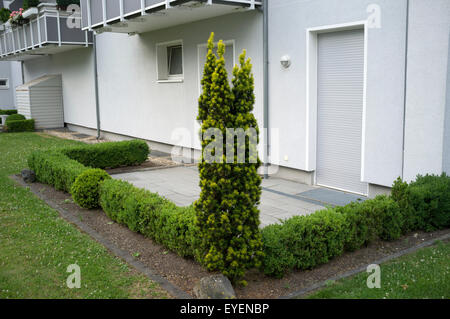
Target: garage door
(340, 106)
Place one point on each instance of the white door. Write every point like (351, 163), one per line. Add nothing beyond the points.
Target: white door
(340, 77)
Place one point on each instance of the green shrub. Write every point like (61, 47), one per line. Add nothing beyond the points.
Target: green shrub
(278, 258)
(63, 4)
(30, 3)
(304, 241)
(56, 169)
(4, 16)
(14, 117)
(8, 112)
(110, 154)
(372, 219)
(227, 211)
(429, 196)
(85, 189)
(153, 216)
(20, 126)
(400, 194)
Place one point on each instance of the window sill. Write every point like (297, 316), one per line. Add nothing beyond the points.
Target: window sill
(180, 80)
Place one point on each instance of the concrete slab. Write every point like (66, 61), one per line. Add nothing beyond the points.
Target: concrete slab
(280, 199)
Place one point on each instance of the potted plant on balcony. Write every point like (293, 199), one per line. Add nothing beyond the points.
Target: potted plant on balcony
(16, 17)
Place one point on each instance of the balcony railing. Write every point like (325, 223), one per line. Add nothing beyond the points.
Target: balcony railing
(47, 31)
(134, 16)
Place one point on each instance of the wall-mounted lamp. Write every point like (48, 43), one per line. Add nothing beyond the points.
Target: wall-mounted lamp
(285, 61)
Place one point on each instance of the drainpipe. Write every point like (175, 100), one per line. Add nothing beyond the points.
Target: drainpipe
(405, 87)
(97, 104)
(266, 86)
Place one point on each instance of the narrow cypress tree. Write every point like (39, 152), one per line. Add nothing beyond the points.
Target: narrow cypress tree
(227, 212)
(209, 68)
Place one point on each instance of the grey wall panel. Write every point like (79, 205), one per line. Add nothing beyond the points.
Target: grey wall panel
(97, 11)
(84, 13)
(52, 29)
(112, 9)
(131, 5)
(71, 34)
(340, 90)
(152, 2)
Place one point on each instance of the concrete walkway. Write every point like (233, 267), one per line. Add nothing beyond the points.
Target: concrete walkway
(281, 199)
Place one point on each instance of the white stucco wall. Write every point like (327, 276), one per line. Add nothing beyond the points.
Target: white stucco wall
(77, 70)
(133, 103)
(12, 71)
(288, 22)
(428, 51)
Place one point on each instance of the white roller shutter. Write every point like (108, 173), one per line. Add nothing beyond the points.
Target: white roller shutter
(340, 106)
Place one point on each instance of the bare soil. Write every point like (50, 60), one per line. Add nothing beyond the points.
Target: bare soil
(185, 273)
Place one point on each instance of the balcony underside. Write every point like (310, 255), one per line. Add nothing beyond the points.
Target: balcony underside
(160, 17)
(44, 50)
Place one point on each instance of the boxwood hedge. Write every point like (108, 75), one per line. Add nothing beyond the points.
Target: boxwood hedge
(109, 154)
(61, 167)
(307, 241)
(151, 215)
(19, 126)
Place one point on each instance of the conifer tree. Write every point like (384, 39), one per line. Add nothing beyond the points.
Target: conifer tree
(227, 210)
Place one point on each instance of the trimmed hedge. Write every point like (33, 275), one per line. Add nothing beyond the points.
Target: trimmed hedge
(307, 241)
(303, 242)
(426, 201)
(55, 168)
(8, 112)
(14, 117)
(19, 126)
(151, 215)
(61, 167)
(85, 189)
(110, 154)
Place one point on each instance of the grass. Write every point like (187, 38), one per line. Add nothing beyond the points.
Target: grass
(37, 245)
(423, 274)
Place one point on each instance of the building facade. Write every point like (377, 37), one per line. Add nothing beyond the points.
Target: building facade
(355, 95)
(10, 77)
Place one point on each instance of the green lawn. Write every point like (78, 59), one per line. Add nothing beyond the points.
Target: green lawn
(423, 274)
(36, 245)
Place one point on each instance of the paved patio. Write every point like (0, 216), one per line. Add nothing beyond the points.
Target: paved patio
(280, 198)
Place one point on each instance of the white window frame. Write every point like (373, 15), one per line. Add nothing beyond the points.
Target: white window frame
(162, 62)
(6, 86)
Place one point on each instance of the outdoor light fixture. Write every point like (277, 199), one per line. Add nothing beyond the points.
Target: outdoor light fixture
(285, 61)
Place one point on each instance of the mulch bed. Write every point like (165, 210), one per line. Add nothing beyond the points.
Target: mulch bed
(185, 273)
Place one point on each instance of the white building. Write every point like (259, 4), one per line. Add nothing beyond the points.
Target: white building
(10, 77)
(361, 98)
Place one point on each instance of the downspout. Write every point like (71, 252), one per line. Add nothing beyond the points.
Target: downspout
(97, 104)
(405, 88)
(266, 150)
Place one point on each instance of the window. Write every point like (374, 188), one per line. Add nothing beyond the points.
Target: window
(175, 60)
(4, 84)
(169, 57)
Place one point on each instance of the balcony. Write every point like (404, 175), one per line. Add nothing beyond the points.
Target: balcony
(137, 16)
(45, 31)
